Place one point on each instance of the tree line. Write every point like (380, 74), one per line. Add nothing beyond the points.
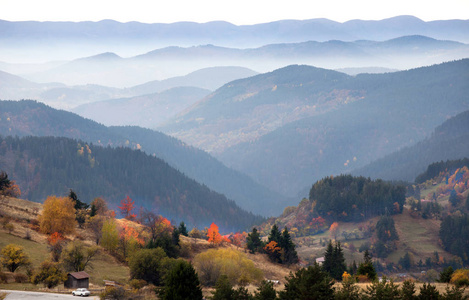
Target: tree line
(349, 198)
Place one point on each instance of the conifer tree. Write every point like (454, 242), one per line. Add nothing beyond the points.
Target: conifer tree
(253, 241)
(290, 256)
(308, 283)
(183, 229)
(265, 291)
(334, 261)
(4, 181)
(223, 289)
(274, 235)
(366, 268)
(181, 283)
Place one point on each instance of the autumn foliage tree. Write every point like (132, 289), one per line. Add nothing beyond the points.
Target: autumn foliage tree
(127, 205)
(50, 274)
(273, 251)
(77, 256)
(58, 215)
(333, 230)
(55, 244)
(13, 257)
(214, 236)
(129, 240)
(110, 236)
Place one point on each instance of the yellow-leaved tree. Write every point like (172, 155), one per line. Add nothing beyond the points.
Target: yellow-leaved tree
(58, 215)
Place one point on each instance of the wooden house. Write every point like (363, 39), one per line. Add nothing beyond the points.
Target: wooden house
(77, 280)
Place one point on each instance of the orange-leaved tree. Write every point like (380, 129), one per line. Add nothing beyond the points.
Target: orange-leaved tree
(213, 235)
(273, 251)
(56, 244)
(334, 229)
(58, 215)
(129, 240)
(127, 205)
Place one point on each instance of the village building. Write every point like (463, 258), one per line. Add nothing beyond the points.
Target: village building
(77, 280)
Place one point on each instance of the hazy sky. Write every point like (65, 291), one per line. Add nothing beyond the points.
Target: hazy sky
(235, 11)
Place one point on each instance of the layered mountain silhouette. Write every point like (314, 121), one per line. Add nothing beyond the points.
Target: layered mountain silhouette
(297, 124)
(30, 118)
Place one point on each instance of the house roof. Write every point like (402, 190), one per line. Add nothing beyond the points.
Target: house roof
(79, 275)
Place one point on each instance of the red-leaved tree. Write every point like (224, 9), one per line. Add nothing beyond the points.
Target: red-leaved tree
(127, 205)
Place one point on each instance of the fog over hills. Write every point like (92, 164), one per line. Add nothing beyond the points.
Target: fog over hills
(108, 69)
(132, 38)
(146, 110)
(292, 126)
(30, 118)
(59, 95)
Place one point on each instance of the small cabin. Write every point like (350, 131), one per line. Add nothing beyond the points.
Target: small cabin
(320, 261)
(77, 280)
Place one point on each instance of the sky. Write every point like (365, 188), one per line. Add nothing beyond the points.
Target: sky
(239, 12)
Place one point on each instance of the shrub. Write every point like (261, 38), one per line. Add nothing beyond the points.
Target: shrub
(21, 278)
(3, 277)
(50, 274)
(460, 278)
(114, 293)
(137, 284)
(214, 262)
(149, 265)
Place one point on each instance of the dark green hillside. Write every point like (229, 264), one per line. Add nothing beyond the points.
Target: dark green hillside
(348, 198)
(25, 118)
(44, 166)
(208, 170)
(450, 140)
(395, 110)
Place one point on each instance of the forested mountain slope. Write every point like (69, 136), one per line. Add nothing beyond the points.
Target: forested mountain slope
(44, 166)
(25, 118)
(375, 115)
(449, 141)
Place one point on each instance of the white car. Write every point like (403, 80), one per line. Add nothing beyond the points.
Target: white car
(81, 292)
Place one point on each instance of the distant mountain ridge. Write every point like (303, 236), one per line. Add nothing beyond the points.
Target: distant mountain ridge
(30, 118)
(223, 33)
(399, 53)
(59, 95)
(325, 124)
(145, 110)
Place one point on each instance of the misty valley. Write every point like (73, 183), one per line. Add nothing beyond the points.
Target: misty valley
(287, 160)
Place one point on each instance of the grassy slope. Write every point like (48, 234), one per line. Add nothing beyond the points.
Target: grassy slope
(418, 236)
(24, 213)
